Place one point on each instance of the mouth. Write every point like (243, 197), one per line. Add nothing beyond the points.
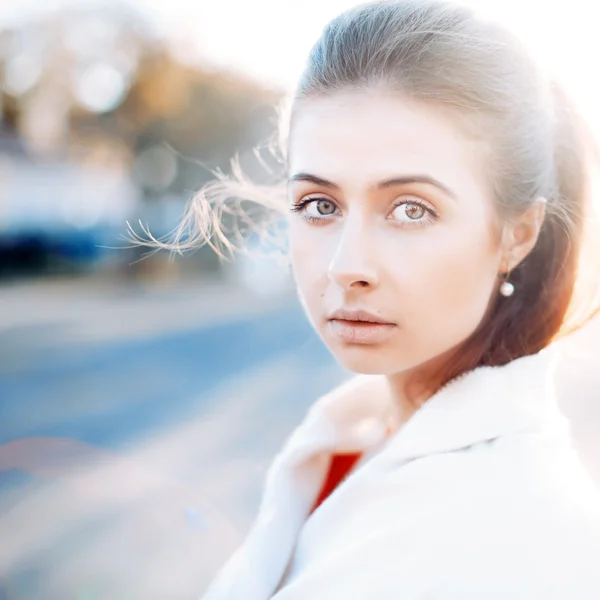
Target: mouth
(360, 327)
(359, 316)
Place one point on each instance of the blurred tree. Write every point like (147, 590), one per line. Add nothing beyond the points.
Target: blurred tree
(101, 87)
(107, 70)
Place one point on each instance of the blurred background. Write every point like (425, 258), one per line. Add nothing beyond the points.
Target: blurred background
(143, 397)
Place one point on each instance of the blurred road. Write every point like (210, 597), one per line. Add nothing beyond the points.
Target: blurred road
(110, 369)
(130, 464)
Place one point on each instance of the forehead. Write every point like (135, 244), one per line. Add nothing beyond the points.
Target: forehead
(358, 137)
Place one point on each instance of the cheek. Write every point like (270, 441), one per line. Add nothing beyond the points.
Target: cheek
(451, 284)
(308, 256)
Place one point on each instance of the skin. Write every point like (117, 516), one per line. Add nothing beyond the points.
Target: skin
(431, 274)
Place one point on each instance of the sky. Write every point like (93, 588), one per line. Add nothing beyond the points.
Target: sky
(269, 39)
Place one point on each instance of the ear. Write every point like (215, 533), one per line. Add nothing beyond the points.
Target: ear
(521, 233)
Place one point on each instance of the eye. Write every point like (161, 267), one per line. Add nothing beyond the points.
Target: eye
(413, 211)
(315, 209)
(320, 207)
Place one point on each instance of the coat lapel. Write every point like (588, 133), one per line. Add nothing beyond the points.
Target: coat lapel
(480, 405)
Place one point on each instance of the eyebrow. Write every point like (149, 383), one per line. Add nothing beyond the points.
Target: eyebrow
(387, 183)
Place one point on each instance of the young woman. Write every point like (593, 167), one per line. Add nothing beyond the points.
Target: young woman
(438, 194)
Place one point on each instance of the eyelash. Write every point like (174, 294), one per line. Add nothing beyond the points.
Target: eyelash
(298, 207)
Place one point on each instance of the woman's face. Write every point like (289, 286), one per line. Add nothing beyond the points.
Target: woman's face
(392, 217)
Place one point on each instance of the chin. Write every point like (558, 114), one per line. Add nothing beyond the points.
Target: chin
(367, 360)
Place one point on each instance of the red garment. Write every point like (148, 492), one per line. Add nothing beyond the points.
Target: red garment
(341, 465)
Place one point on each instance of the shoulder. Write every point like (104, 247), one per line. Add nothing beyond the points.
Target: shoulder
(530, 525)
(505, 538)
(493, 521)
(553, 554)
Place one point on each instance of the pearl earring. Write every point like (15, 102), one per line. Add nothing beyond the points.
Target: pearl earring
(507, 288)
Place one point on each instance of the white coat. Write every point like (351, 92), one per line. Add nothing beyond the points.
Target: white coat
(479, 495)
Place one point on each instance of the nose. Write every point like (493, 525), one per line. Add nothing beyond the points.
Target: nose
(352, 265)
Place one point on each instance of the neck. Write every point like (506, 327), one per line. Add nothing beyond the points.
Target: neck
(411, 389)
(407, 398)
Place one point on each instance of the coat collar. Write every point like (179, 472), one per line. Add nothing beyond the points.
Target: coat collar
(481, 405)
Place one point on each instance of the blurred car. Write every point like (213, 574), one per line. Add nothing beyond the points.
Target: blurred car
(58, 215)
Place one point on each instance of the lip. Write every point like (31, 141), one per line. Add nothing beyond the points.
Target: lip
(362, 316)
(360, 332)
(359, 327)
